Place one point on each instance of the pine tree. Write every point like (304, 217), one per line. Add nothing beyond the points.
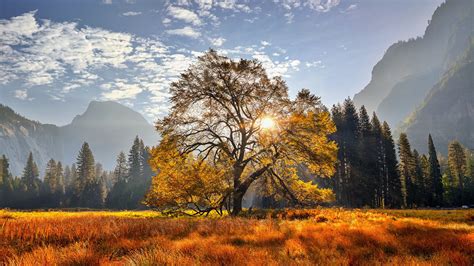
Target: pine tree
(134, 161)
(427, 185)
(147, 171)
(121, 172)
(418, 181)
(87, 186)
(365, 193)
(50, 179)
(457, 167)
(339, 180)
(436, 191)
(118, 196)
(50, 183)
(393, 192)
(61, 186)
(407, 168)
(30, 184)
(350, 136)
(6, 185)
(379, 152)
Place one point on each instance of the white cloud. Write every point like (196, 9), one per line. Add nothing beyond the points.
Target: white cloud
(21, 94)
(217, 41)
(131, 13)
(184, 15)
(317, 63)
(289, 17)
(317, 5)
(119, 90)
(186, 31)
(107, 2)
(63, 58)
(350, 8)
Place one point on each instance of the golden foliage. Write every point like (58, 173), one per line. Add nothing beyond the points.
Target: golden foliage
(185, 183)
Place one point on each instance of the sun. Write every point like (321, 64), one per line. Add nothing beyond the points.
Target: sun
(267, 123)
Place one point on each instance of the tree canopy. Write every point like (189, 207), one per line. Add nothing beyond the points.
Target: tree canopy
(230, 125)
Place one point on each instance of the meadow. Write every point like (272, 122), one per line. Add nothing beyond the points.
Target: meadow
(285, 237)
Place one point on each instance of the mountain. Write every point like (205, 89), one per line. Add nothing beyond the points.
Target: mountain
(409, 69)
(448, 110)
(108, 127)
(19, 136)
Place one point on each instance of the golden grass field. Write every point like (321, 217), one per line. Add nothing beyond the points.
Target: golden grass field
(292, 237)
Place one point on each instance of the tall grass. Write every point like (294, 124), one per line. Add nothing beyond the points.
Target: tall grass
(303, 237)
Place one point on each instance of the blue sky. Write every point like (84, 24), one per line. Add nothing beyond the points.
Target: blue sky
(57, 56)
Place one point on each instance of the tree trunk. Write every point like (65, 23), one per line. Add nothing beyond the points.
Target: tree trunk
(237, 203)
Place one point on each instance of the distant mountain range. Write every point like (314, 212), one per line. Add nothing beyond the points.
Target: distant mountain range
(108, 127)
(415, 86)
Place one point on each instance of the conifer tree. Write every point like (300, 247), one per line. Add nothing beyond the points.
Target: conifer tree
(121, 172)
(418, 188)
(394, 195)
(427, 185)
(30, 183)
(379, 153)
(339, 180)
(50, 183)
(134, 161)
(407, 168)
(61, 187)
(365, 194)
(87, 187)
(6, 183)
(350, 136)
(457, 167)
(436, 191)
(118, 196)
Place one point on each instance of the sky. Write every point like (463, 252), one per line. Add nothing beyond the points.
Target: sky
(56, 56)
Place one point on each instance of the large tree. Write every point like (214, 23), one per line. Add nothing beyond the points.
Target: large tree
(457, 168)
(394, 196)
(436, 191)
(230, 117)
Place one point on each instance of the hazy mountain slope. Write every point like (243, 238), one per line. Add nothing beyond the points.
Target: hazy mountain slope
(403, 98)
(448, 111)
(19, 136)
(408, 62)
(109, 128)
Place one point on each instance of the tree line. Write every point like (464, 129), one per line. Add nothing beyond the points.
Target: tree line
(83, 184)
(370, 172)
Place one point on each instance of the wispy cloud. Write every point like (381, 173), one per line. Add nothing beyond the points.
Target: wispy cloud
(186, 31)
(21, 94)
(184, 15)
(217, 41)
(131, 13)
(62, 58)
(316, 5)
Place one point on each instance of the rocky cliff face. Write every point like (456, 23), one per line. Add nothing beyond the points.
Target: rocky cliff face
(448, 110)
(109, 128)
(409, 69)
(19, 136)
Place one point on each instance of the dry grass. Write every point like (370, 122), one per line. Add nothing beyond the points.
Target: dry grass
(303, 237)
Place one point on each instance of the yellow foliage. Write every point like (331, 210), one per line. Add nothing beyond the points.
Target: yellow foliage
(184, 182)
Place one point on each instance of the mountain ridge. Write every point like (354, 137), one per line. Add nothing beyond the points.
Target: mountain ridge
(445, 39)
(109, 127)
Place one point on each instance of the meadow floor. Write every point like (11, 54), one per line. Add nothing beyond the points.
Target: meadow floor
(298, 237)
